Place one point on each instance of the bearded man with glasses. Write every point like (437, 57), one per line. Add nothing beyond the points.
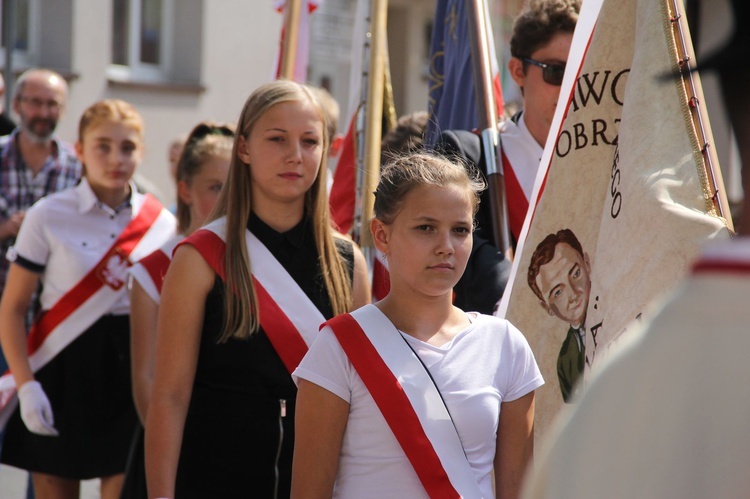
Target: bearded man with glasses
(33, 162)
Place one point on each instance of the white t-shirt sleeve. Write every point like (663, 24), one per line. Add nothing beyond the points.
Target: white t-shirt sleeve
(32, 243)
(523, 375)
(326, 365)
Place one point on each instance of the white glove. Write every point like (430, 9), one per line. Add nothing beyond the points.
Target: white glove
(36, 411)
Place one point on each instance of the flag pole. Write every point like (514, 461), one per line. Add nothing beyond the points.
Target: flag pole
(709, 160)
(291, 33)
(480, 57)
(373, 115)
(390, 118)
(359, 136)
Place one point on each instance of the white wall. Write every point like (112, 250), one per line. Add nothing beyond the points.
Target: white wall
(239, 42)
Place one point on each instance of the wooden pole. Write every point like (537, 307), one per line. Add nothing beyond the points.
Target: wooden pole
(702, 125)
(480, 55)
(291, 35)
(374, 113)
(389, 107)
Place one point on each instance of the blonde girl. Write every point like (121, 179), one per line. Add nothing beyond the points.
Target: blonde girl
(76, 415)
(220, 421)
(412, 397)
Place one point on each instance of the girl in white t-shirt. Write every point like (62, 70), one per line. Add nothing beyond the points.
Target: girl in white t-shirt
(76, 414)
(469, 378)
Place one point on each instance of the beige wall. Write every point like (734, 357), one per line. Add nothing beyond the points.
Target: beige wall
(236, 55)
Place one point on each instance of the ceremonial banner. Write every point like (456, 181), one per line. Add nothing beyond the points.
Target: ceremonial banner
(665, 443)
(453, 96)
(623, 201)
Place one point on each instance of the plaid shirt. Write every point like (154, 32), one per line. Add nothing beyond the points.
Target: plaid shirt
(19, 189)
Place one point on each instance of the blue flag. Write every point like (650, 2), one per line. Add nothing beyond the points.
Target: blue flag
(452, 94)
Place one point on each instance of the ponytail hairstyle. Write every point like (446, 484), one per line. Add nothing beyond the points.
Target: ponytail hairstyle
(206, 140)
(235, 202)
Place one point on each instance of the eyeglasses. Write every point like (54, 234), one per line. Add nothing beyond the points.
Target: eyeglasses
(36, 103)
(551, 73)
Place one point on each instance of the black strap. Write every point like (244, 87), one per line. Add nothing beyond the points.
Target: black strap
(436, 388)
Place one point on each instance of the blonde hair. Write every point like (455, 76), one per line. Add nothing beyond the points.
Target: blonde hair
(109, 110)
(207, 140)
(331, 110)
(405, 173)
(235, 202)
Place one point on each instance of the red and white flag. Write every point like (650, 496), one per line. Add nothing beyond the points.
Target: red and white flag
(343, 196)
(303, 39)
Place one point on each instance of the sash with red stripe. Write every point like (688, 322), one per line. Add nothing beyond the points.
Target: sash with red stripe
(92, 296)
(286, 314)
(342, 198)
(151, 269)
(381, 277)
(518, 204)
(725, 258)
(409, 401)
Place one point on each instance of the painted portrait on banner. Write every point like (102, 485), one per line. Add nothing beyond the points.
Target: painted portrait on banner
(625, 203)
(560, 276)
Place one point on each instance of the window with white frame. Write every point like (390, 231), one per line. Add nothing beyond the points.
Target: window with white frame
(141, 38)
(22, 32)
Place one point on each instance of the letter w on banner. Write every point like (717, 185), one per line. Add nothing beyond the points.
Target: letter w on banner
(303, 38)
(625, 201)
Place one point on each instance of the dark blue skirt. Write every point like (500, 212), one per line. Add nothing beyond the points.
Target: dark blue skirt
(88, 385)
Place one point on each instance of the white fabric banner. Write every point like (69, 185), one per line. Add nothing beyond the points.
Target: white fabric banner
(622, 198)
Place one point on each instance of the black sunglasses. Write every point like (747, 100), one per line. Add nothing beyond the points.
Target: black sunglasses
(551, 73)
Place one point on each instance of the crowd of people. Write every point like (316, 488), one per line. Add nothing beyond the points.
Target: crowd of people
(162, 353)
(228, 346)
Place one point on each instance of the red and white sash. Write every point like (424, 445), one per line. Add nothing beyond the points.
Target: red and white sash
(93, 295)
(286, 314)
(518, 203)
(409, 401)
(151, 269)
(381, 276)
(520, 166)
(730, 258)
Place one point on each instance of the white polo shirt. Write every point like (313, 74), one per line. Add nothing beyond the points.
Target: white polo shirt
(63, 236)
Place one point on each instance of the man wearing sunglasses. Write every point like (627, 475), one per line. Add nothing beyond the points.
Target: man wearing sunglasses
(539, 47)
